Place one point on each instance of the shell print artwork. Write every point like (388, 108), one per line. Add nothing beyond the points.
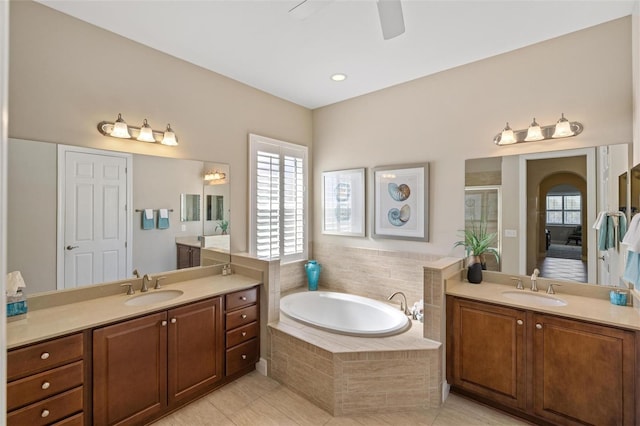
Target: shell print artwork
(398, 217)
(399, 192)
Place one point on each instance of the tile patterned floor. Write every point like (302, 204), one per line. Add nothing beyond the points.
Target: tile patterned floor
(566, 269)
(255, 400)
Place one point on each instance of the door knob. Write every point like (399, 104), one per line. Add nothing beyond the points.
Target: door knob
(601, 257)
(70, 247)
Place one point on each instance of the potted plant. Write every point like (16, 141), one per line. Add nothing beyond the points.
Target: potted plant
(223, 226)
(477, 243)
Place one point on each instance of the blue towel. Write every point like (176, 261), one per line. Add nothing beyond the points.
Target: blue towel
(147, 219)
(163, 219)
(607, 236)
(632, 269)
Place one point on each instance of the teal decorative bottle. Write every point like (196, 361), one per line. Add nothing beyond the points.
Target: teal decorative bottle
(313, 273)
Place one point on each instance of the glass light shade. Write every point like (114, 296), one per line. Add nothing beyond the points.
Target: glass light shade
(563, 128)
(146, 133)
(507, 137)
(534, 133)
(120, 129)
(169, 137)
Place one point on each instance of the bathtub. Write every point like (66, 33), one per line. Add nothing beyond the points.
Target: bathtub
(344, 313)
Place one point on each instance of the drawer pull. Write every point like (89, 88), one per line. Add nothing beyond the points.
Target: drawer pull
(173, 320)
(244, 333)
(44, 355)
(520, 322)
(45, 385)
(244, 298)
(539, 326)
(45, 413)
(163, 323)
(244, 316)
(244, 356)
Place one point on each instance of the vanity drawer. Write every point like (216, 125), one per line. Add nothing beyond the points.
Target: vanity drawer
(242, 334)
(48, 411)
(242, 356)
(241, 298)
(35, 358)
(241, 317)
(34, 388)
(77, 420)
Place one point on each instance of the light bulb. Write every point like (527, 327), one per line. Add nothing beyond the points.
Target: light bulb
(146, 133)
(507, 137)
(534, 133)
(563, 128)
(120, 129)
(169, 137)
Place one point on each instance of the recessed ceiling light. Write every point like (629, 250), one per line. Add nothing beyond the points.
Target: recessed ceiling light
(339, 77)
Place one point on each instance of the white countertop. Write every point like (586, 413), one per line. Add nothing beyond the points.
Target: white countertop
(578, 307)
(60, 320)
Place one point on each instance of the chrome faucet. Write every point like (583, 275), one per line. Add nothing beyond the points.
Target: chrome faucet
(403, 302)
(145, 280)
(136, 273)
(534, 278)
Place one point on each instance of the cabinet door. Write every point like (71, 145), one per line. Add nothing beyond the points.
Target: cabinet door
(184, 256)
(130, 370)
(195, 256)
(488, 356)
(195, 348)
(583, 373)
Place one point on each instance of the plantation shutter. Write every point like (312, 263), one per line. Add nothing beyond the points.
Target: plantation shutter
(278, 199)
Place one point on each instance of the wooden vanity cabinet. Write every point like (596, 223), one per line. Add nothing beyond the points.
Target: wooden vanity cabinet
(46, 382)
(558, 370)
(144, 366)
(188, 256)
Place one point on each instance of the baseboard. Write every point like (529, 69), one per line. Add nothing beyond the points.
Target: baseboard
(261, 366)
(446, 387)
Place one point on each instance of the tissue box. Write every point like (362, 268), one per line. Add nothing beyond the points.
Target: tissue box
(16, 305)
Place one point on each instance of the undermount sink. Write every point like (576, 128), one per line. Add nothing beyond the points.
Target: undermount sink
(533, 298)
(153, 297)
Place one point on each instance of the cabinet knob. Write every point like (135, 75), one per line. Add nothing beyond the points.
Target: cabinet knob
(539, 326)
(244, 316)
(45, 385)
(163, 323)
(519, 322)
(44, 355)
(173, 320)
(244, 298)
(244, 356)
(244, 333)
(45, 413)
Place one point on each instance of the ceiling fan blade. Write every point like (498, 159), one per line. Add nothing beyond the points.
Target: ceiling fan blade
(391, 18)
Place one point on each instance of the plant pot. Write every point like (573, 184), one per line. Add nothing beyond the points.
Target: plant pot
(474, 273)
(474, 270)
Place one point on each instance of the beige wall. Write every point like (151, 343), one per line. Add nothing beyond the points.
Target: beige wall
(454, 115)
(67, 75)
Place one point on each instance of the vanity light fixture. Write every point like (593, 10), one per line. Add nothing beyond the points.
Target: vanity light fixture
(120, 129)
(214, 176)
(562, 129)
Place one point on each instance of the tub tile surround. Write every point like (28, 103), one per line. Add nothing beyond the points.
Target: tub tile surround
(347, 375)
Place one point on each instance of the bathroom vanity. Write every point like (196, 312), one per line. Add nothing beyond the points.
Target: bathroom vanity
(102, 362)
(568, 364)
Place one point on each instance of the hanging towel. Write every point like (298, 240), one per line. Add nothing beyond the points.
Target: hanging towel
(622, 227)
(598, 223)
(606, 238)
(632, 236)
(163, 219)
(632, 269)
(147, 219)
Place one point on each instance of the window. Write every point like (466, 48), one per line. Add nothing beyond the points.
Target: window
(278, 199)
(563, 209)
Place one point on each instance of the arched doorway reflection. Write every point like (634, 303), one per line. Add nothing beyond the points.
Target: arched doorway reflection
(562, 252)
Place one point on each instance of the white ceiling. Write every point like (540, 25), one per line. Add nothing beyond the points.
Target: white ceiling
(260, 44)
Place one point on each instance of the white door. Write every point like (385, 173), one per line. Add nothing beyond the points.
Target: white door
(94, 217)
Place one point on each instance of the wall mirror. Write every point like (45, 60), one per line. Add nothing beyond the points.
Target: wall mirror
(40, 250)
(543, 207)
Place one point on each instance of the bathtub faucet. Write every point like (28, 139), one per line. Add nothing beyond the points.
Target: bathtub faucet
(403, 302)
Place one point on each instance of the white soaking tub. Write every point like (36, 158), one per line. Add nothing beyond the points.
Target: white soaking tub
(344, 313)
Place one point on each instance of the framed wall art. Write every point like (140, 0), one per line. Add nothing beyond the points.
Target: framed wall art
(400, 205)
(343, 202)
